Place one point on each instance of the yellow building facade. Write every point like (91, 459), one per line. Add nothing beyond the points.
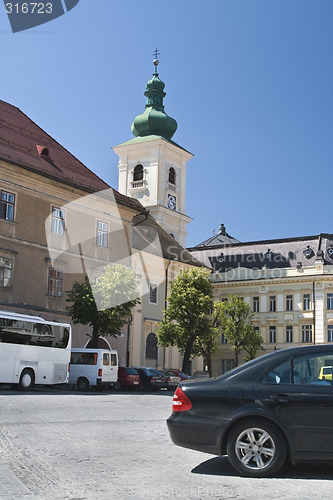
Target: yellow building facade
(288, 284)
(59, 222)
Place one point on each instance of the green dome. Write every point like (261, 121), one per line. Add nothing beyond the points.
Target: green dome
(155, 84)
(154, 120)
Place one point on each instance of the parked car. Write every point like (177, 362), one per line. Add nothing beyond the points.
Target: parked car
(161, 376)
(148, 381)
(326, 373)
(128, 378)
(172, 380)
(179, 373)
(201, 374)
(262, 413)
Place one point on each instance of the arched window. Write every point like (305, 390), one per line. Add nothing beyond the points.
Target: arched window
(151, 346)
(172, 176)
(138, 173)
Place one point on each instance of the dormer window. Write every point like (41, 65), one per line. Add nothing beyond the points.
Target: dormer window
(42, 150)
(172, 176)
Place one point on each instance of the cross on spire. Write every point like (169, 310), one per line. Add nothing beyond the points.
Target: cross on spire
(156, 53)
(156, 61)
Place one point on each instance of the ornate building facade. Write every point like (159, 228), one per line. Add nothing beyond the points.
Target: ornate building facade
(288, 284)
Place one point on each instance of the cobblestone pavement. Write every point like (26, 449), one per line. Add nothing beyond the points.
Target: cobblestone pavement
(63, 444)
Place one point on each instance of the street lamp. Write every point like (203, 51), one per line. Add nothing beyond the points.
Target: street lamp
(128, 341)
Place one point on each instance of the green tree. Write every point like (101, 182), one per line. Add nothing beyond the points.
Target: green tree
(234, 316)
(206, 345)
(106, 306)
(186, 323)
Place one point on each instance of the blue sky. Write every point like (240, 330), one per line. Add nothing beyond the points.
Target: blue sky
(248, 81)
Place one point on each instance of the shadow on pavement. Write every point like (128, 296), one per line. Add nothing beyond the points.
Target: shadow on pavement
(220, 466)
(6, 390)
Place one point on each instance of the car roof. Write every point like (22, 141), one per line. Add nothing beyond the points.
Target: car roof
(273, 357)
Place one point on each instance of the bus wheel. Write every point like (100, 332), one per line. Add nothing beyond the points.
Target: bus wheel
(27, 380)
(83, 384)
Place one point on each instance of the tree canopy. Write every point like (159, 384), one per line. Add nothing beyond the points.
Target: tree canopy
(107, 305)
(233, 317)
(186, 322)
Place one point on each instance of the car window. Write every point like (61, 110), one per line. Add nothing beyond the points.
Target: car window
(308, 369)
(314, 368)
(281, 374)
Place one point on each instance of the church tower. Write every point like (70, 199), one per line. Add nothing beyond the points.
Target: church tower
(152, 167)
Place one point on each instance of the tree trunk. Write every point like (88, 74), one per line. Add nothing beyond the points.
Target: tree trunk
(94, 338)
(187, 358)
(236, 357)
(209, 363)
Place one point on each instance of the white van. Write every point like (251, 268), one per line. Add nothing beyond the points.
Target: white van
(96, 368)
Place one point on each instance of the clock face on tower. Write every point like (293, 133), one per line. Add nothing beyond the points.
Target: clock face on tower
(171, 202)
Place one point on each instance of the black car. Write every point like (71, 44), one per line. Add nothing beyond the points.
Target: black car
(149, 381)
(160, 377)
(272, 409)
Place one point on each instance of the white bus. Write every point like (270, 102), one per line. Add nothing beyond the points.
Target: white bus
(33, 350)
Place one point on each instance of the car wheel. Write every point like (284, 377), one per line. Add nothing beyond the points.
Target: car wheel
(256, 448)
(82, 384)
(27, 380)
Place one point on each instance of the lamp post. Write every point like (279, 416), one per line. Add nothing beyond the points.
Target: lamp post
(128, 341)
(165, 300)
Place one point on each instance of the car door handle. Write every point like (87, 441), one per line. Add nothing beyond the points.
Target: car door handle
(280, 397)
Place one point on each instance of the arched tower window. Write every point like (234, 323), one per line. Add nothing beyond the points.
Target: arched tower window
(138, 173)
(172, 176)
(151, 346)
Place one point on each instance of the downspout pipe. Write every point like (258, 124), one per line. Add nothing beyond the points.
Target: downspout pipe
(314, 311)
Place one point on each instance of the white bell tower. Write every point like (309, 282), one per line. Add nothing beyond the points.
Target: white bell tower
(152, 168)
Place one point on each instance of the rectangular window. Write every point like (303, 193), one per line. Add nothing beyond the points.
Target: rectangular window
(227, 364)
(113, 359)
(102, 234)
(272, 334)
(330, 333)
(272, 303)
(106, 359)
(289, 334)
(255, 304)
(7, 205)
(223, 339)
(55, 285)
(6, 269)
(58, 221)
(152, 293)
(289, 302)
(84, 358)
(330, 301)
(306, 302)
(306, 333)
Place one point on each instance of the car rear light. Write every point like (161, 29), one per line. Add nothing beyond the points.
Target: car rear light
(100, 371)
(180, 401)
